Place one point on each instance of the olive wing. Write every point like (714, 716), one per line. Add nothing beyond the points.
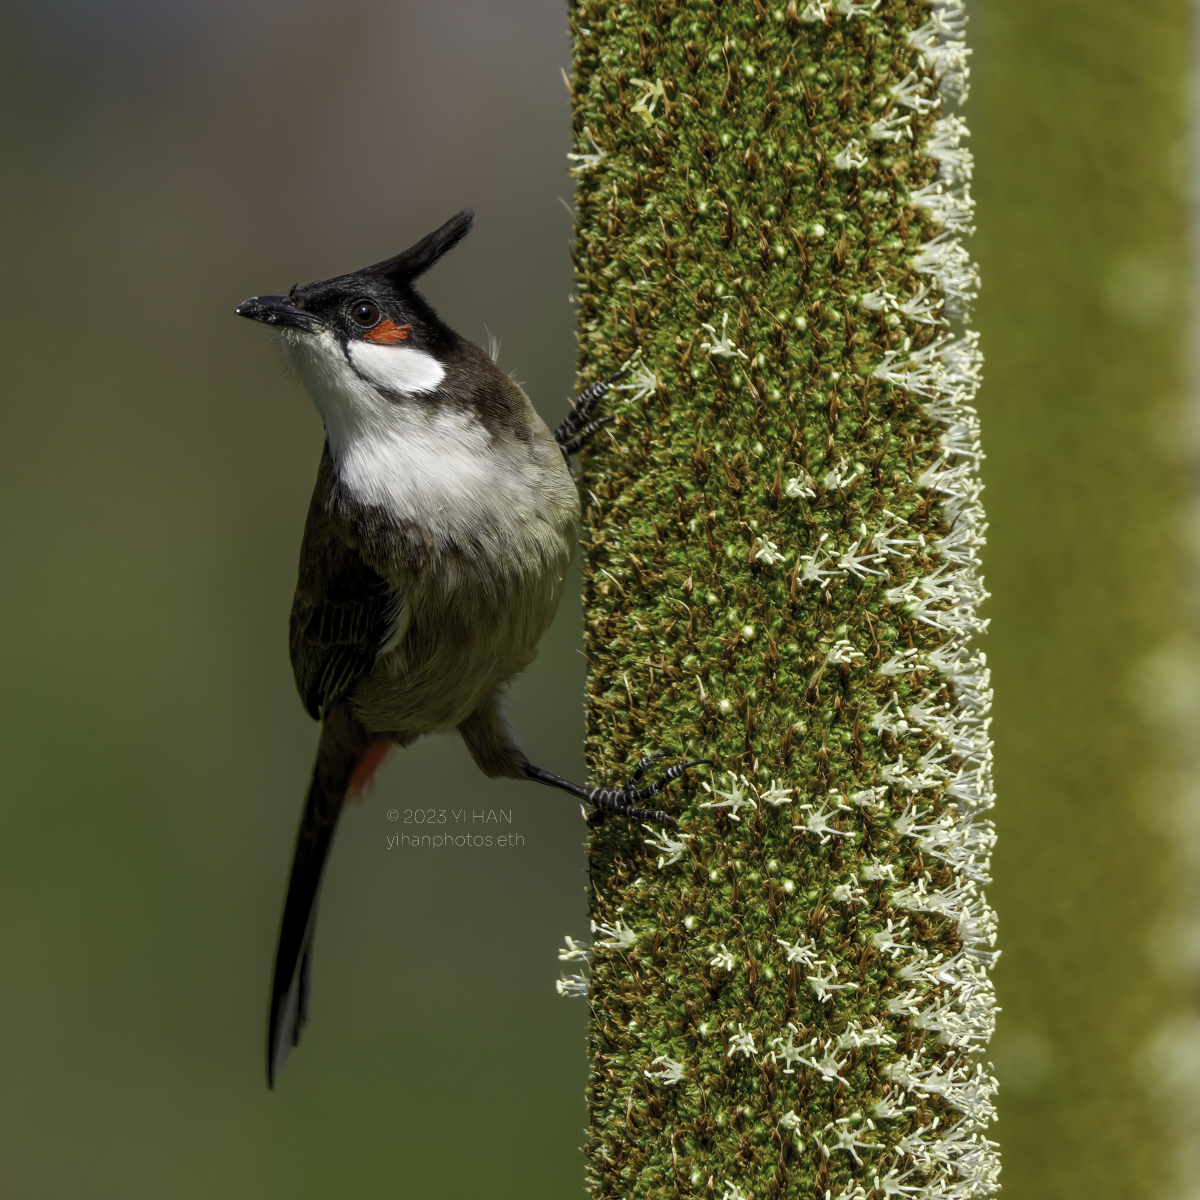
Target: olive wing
(344, 613)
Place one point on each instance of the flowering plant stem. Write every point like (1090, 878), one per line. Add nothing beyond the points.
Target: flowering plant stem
(789, 991)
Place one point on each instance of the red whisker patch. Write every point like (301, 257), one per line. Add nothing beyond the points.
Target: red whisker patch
(388, 331)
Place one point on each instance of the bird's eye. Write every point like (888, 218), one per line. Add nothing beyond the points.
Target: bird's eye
(365, 314)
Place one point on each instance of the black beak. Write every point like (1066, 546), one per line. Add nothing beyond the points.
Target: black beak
(277, 310)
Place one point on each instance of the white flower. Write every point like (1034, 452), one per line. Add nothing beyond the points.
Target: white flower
(840, 476)
(909, 93)
(791, 1122)
(922, 307)
(877, 870)
(954, 159)
(886, 1109)
(852, 156)
(777, 794)
(588, 161)
(854, 1037)
(930, 765)
(572, 985)
(922, 968)
(855, 563)
(886, 372)
(824, 987)
(788, 1051)
(742, 1043)
(891, 129)
(721, 345)
(723, 960)
(669, 1071)
(768, 553)
(891, 1184)
(877, 301)
(852, 1191)
(818, 822)
(921, 714)
(890, 719)
(735, 799)
(815, 12)
(915, 1143)
(884, 537)
(814, 571)
(887, 939)
(851, 8)
(618, 936)
(672, 850)
(654, 92)
(805, 955)
(799, 488)
(842, 653)
(869, 797)
(904, 663)
(642, 383)
(575, 951)
(846, 1139)
(846, 892)
(827, 1066)
(733, 1192)
(906, 1005)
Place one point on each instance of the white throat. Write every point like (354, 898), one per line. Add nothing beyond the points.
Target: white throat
(418, 460)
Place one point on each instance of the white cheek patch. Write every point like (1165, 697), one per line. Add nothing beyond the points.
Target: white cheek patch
(402, 369)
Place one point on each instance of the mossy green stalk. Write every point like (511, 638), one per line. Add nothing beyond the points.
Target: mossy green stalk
(789, 992)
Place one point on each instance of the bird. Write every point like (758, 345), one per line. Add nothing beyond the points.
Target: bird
(434, 554)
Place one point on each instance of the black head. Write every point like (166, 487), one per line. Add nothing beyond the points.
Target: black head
(377, 304)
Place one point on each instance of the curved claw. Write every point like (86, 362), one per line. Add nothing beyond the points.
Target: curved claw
(624, 801)
(643, 765)
(576, 443)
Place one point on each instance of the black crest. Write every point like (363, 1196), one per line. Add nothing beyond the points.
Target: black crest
(410, 264)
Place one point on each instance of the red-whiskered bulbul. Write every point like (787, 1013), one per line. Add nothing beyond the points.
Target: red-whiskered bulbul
(434, 554)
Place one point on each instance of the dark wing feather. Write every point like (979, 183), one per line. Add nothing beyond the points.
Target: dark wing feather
(343, 612)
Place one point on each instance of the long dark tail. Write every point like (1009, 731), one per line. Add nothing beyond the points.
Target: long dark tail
(343, 746)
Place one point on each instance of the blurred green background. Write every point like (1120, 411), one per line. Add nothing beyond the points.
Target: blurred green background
(164, 161)
(1084, 173)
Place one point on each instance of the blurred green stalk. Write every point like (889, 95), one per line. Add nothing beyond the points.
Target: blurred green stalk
(789, 992)
(1082, 124)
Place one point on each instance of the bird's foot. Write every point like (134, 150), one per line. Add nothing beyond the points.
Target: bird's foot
(623, 801)
(577, 427)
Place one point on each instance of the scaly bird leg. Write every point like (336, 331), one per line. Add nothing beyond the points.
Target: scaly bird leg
(577, 426)
(621, 801)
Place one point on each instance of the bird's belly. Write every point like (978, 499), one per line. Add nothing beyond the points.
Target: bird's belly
(449, 662)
